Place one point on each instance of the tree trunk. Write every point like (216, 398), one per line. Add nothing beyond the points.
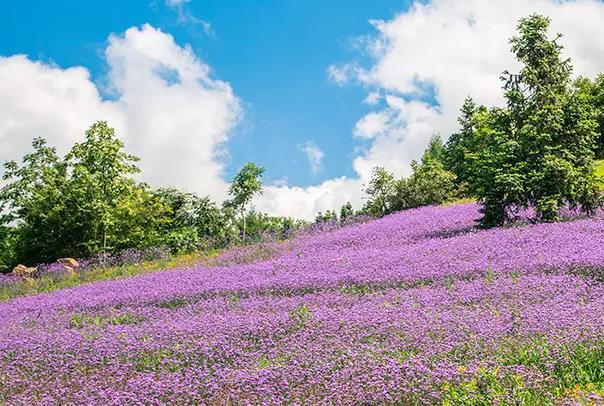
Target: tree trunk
(243, 216)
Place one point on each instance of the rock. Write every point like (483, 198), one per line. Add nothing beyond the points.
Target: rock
(68, 262)
(25, 272)
(70, 271)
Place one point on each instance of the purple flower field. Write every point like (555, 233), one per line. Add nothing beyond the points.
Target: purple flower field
(415, 308)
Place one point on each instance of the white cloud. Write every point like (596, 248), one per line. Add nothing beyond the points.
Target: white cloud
(372, 98)
(447, 50)
(167, 108)
(372, 125)
(184, 16)
(314, 154)
(306, 202)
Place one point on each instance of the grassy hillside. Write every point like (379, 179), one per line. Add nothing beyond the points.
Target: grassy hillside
(415, 308)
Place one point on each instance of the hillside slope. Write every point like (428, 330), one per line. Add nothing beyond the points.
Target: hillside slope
(415, 307)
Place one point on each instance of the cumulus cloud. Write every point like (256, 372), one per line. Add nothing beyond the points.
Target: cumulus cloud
(306, 202)
(166, 107)
(314, 154)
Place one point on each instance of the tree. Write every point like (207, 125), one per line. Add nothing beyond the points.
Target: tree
(429, 184)
(246, 184)
(380, 192)
(8, 240)
(33, 199)
(101, 181)
(538, 151)
(327, 217)
(462, 143)
(346, 211)
(594, 91)
(80, 205)
(435, 151)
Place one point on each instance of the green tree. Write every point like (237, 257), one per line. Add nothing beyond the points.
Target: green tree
(594, 91)
(463, 143)
(8, 240)
(80, 205)
(380, 193)
(429, 184)
(328, 216)
(435, 151)
(195, 221)
(34, 199)
(246, 184)
(346, 211)
(538, 151)
(101, 181)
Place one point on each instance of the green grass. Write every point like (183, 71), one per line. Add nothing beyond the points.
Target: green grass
(53, 283)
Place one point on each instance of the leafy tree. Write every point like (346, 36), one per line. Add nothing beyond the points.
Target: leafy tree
(594, 91)
(81, 205)
(262, 226)
(346, 211)
(100, 182)
(597, 100)
(429, 184)
(463, 143)
(8, 240)
(435, 151)
(538, 151)
(328, 216)
(380, 193)
(246, 184)
(194, 221)
(34, 198)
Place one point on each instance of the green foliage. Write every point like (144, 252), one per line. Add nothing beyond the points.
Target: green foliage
(538, 151)
(194, 222)
(80, 321)
(579, 368)
(381, 192)
(81, 205)
(429, 183)
(8, 240)
(246, 184)
(346, 211)
(261, 226)
(594, 92)
(328, 216)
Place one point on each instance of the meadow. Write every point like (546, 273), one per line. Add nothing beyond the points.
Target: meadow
(419, 307)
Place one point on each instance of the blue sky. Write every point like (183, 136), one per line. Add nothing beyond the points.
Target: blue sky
(275, 55)
(317, 92)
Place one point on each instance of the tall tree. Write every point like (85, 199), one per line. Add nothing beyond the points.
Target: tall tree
(246, 184)
(380, 192)
(101, 180)
(34, 199)
(538, 151)
(346, 211)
